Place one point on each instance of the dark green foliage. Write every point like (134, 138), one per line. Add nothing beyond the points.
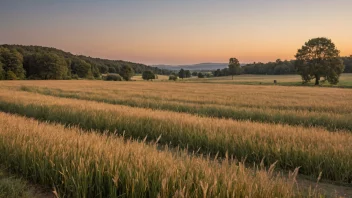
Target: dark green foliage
(195, 73)
(2, 72)
(77, 66)
(10, 75)
(81, 68)
(113, 77)
(272, 68)
(347, 61)
(12, 64)
(148, 75)
(112, 70)
(126, 72)
(234, 67)
(182, 73)
(200, 75)
(187, 74)
(317, 59)
(173, 77)
(45, 65)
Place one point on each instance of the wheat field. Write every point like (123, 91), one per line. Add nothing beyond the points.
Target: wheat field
(304, 130)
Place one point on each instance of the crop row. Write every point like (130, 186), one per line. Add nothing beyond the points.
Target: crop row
(315, 150)
(330, 120)
(78, 164)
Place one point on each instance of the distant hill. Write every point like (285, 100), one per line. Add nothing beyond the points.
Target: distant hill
(195, 67)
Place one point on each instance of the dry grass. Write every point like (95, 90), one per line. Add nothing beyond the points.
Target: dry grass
(80, 164)
(315, 150)
(294, 105)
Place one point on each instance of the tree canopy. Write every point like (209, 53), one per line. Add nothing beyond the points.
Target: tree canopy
(17, 62)
(182, 73)
(234, 67)
(46, 65)
(317, 59)
(12, 64)
(126, 72)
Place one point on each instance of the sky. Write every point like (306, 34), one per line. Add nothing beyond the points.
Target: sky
(177, 32)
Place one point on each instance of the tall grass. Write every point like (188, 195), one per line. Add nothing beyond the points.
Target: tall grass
(328, 117)
(80, 164)
(315, 150)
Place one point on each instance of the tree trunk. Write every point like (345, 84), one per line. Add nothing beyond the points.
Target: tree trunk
(317, 78)
(232, 77)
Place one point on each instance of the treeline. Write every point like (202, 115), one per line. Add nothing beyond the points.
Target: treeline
(275, 68)
(36, 62)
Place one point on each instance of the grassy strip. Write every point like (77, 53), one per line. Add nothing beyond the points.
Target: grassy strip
(11, 187)
(314, 150)
(92, 165)
(330, 121)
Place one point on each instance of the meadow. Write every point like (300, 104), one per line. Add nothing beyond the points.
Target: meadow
(190, 126)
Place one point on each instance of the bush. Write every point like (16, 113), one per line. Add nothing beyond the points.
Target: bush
(173, 77)
(113, 77)
(148, 75)
(74, 76)
(200, 75)
(10, 75)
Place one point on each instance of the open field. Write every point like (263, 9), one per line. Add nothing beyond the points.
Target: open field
(305, 127)
(284, 80)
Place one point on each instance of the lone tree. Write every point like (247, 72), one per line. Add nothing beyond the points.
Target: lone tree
(319, 58)
(148, 75)
(182, 73)
(234, 67)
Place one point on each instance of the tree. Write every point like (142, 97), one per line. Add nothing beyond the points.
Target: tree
(148, 75)
(200, 75)
(10, 75)
(112, 70)
(81, 68)
(194, 73)
(234, 67)
(126, 72)
(45, 65)
(2, 72)
(12, 61)
(182, 73)
(319, 58)
(187, 74)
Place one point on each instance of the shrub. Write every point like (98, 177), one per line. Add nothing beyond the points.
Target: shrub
(148, 75)
(113, 77)
(200, 75)
(173, 77)
(10, 75)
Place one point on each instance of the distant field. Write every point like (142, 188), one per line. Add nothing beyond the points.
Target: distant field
(285, 80)
(289, 126)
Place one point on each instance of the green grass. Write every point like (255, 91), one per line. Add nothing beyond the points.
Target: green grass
(12, 187)
(283, 80)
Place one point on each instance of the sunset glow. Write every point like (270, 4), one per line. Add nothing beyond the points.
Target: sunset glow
(178, 32)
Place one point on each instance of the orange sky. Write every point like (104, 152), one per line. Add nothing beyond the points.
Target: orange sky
(178, 32)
